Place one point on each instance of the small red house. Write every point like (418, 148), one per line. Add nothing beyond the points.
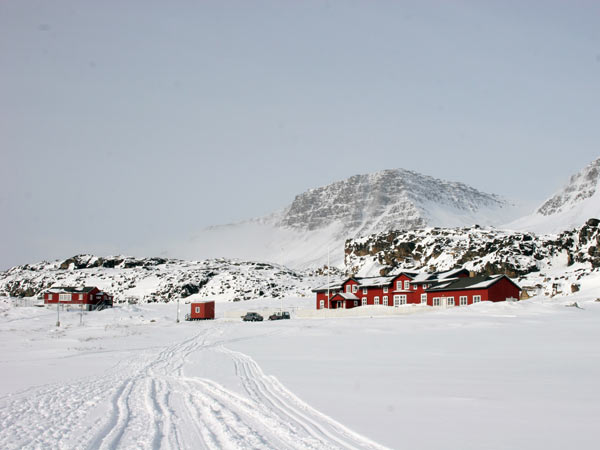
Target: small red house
(90, 297)
(466, 291)
(202, 311)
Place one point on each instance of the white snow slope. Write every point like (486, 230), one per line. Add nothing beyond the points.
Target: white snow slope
(299, 236)
(490, 376)
(569, 208)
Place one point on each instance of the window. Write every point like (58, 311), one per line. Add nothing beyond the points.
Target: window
(355, 302)
(348, 288)
(80, 296)
(355, 288)
(385, 300)
(436, 301)
(377, 300)
(414, 287)
(396, 300)
(406, 285)
(64, 297)
(322, 304)
(49, 296)
(463, 300)
(364, 301)
(402, 299)
(450, 301)
(365, 291)
(198, 309)
(423, 298)
(398, 285)
(476, 298)
(385, 290)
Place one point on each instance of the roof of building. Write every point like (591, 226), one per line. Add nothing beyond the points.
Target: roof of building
(479, 282)
(345, 296)
(59, 289)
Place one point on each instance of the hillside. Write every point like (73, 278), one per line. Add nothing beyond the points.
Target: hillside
(159, 279)
(546, 262)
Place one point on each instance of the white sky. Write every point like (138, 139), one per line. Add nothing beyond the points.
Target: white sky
(127, 124)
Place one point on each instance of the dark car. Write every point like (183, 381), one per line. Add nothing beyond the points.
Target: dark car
(252, 317)
(280, 316)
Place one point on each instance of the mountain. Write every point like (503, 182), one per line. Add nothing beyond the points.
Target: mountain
(569, 208)
(160, 279)
(324, 217)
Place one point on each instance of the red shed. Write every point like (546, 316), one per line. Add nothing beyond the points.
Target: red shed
(202, 311)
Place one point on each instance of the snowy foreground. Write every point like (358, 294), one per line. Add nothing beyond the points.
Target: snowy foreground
(490, 376)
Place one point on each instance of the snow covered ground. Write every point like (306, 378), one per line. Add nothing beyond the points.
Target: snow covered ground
(490, 376)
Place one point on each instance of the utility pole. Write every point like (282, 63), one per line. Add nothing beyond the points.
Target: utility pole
(328, 263)
(57, 314)
(177, 309)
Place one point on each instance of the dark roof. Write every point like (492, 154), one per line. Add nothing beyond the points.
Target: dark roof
(71, 289)
(479, 282)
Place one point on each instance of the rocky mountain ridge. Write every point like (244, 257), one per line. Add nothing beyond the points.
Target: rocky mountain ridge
(159, 279)
(397, 198)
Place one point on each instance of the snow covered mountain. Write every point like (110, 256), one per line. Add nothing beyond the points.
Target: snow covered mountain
(570, 207)
(299, 236)
(159, 279)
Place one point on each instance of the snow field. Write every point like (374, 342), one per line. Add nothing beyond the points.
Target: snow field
(496, 376)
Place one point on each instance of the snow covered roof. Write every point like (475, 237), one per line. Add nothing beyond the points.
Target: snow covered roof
(449, 273)
(480, 282)
(346, 296)
(59, 289)
(375, 281)
(332, 286)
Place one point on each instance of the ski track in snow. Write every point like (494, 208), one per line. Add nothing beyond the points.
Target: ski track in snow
(152, 404)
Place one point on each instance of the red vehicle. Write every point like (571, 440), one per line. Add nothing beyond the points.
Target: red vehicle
(201, 311)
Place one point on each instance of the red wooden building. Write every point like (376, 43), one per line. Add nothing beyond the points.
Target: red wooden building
(91, 297)
(201, 311)
(449, 288)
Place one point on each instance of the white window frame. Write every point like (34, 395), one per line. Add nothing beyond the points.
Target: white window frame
(355, 302)
(396, 300)
(354, 288)
(348, 288)
(423, 298)
(80, 296)
(64, 297)
(403, 299)
(364, 301)
(376, 300)
(463, 300)
(450, 301)
(385, 300)
(49, 296)
(385, 290)
(364, 290)
(406, 285)
(476, 298)
(322, 304)
(414, 287)
(198, 309)
(399, 285)
(436, 301)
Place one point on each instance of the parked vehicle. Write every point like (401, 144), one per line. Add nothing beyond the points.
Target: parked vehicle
(279, 315)
(252, 317)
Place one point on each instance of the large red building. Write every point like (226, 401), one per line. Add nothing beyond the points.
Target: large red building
(452, 288)
(90, 297)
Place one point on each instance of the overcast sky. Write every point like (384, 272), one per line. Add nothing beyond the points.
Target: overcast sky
(126, 124)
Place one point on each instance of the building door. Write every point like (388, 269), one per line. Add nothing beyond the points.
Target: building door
(396, 300)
